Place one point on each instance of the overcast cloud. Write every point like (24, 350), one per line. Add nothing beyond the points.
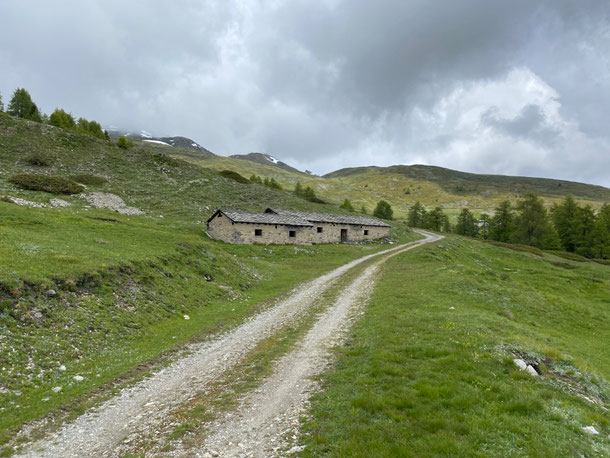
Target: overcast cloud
(519, 87)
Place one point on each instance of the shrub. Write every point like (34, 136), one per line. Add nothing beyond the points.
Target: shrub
(605, 262)
(53, 184)
(164, 159)
(122, 142)
(39, 158)
(230, 174)
(88, 179)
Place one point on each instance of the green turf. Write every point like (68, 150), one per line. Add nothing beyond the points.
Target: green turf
(428, 370)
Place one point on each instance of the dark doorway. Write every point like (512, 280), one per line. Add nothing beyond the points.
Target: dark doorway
(344, 235)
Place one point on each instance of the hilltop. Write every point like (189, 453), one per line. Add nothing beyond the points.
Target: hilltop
(265, 159)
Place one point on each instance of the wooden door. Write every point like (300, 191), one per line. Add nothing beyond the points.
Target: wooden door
(344, 235)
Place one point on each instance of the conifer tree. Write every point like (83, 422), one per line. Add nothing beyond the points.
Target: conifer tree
(1, 104)
(59, 118)
(466, 224)
(484, 226)
(363, 210)
(532, 226)
(567, 218)
(502, 223)
(298, 189)
(417, 215)
(22, 106)
(436, 219)
(601, 234)
(383, 210)
(347, 205)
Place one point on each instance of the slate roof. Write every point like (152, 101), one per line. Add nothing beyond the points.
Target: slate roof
(319, 217)
(240, 216)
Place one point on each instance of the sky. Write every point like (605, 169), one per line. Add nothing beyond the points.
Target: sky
(514, 87)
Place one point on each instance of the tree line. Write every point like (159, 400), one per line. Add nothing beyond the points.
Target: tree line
(567, 226)
(22, 106)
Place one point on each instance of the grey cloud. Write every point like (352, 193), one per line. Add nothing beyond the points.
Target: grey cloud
(530, 123)
(324, 84)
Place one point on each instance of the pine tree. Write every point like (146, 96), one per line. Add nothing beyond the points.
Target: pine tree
(435, 219)
(22, 106)
(502, 223)
(347, 205)
(601, 234)
(383, 210)
(1, 104)
(59, 118)
(484, 226)
(466, 224)
(585, 242)
(567, 218)
(363, 210)
(532, 225)
(309, 193)
(417, 215)
(298, 189)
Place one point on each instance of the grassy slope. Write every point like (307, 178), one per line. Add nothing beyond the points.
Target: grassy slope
(419, 378)
(432, 186)
(123, 283)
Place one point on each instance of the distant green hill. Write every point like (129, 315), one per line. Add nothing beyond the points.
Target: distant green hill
(463, 183)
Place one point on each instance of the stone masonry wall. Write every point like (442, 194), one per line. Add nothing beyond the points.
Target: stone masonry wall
(222, 228)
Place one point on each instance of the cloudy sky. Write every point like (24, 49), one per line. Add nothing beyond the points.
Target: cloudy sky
(519, 87)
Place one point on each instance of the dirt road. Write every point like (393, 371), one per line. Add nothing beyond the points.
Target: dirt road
(265, 417)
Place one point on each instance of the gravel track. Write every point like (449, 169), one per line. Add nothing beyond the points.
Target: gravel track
(135, 411)
(267, 421)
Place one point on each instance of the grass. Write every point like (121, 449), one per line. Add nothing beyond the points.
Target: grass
(428, 370)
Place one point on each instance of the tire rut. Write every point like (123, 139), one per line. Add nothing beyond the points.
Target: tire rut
(267, 421)
(136, 410)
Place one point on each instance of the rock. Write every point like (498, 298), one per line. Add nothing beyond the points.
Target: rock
(186, 317)
(451, 308)
(590, 430)
(17, 393)
(51, 293)
(214, 453)
(207, 455)
(520, 364)
(46, 399)
(530, 370)
(59, 203)
(56, 389)
(78, 378)
(62, 368)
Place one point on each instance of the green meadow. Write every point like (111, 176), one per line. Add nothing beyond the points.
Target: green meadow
(429, 371)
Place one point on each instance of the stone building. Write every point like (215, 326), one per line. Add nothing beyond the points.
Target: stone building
(292, 227)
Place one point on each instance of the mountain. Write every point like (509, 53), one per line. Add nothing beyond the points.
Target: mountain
(464, 183)
(178, 141)
(265, 159)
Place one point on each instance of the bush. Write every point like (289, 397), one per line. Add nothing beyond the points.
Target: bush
(88, 179)
(605, 262)
(230, 174)
(53, 184)
(39, 158)
(122, 142)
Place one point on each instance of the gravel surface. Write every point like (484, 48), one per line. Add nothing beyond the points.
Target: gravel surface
(267, 420)
(107, 429)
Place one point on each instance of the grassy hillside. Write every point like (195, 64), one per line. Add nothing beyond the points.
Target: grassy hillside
(402, 186)
(429, 368)
(101, 295)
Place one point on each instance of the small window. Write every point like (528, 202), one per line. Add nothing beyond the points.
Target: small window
(366, 232)
(258, 232)
(292, 234)
(319, 230)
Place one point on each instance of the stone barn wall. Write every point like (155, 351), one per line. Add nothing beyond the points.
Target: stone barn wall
(222, 228)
